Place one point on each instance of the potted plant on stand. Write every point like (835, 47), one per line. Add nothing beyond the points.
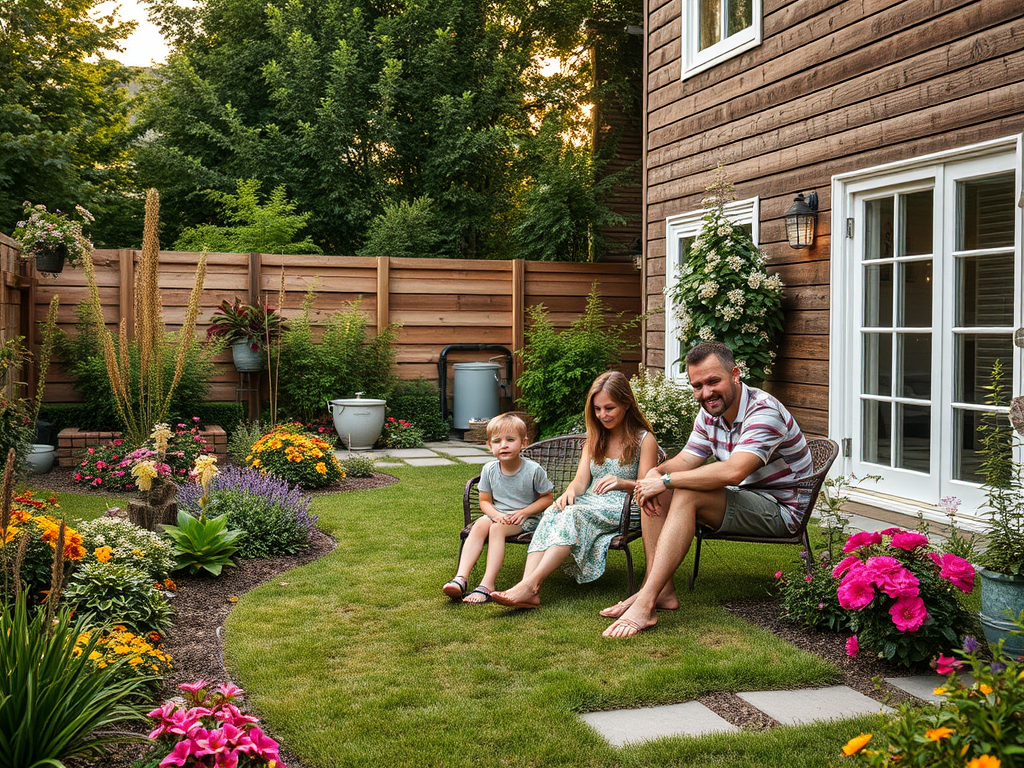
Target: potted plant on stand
(53, 238)
(248, 328)
(1002, 574)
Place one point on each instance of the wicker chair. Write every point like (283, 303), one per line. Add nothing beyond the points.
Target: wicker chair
(560, 457)
(823, 453)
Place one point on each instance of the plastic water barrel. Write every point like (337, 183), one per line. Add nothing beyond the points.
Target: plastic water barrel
(475, 393)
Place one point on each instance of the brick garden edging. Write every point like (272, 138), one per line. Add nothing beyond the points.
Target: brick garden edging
(72, 442)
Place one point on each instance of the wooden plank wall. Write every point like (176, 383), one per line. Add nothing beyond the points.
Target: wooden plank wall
(13, 292)
(435, 301)
(835, 86)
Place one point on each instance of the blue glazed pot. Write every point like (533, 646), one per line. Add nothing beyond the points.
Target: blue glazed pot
(1001, 593)
(245, 358)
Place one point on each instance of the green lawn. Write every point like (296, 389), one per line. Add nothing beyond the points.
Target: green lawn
(358, 659)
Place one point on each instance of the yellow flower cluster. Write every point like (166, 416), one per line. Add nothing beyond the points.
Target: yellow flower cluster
(49, 527)
(144, 654)
(296, 456)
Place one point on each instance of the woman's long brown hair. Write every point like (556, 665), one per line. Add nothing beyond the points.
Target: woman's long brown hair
(633, 423)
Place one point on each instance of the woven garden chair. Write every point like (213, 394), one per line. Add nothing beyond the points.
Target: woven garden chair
(560, 457)
(823, 453)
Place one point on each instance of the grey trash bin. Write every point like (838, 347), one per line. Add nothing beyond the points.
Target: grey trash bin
(476, 390)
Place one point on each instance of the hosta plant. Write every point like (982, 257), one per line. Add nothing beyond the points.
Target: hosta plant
(115, 593)
(203, 543)
(55, 703)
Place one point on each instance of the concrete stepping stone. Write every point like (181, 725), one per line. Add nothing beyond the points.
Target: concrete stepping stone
(922, 686)
(624, 726)
(436, 461)
(813, 704)
(411, 453)
(455, 449)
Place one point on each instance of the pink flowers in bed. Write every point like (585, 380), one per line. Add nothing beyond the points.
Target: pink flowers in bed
(874, 572)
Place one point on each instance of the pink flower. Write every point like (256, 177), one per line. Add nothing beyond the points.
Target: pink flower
(92, 451)
(956, 571)
(229, 691)
(808, 578)
(78, 476)
(261, 745)
(862, 539)
(900, 583)
(890, 531)
(118, 441)
(908, 614)
(852, 647)
(908, 540)
(195, 419)
(101, 464)
(855, 593)
(944, 665)
(847, 563)
(778, 574)
(195, 687)
(182, 751)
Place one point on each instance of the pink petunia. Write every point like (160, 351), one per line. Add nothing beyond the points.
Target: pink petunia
(195, 687)
(852, 646)
(862, 539)
(845, 565)
(908, 540)
(890, 531)
(263, 746)
(899, 582)
(956, 571)
(908, 614)
(182, 751)
(855, 593)
(944, 665)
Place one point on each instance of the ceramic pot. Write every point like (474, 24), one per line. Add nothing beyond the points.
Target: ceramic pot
(359, 422)
(40, 458)
(245, 358)
(51, 259)
(1001, 593)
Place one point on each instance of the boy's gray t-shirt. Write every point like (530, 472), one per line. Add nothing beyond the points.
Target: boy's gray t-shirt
(513, 492)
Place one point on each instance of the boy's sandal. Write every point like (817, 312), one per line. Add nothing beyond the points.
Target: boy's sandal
(456, 588)
(480, 590)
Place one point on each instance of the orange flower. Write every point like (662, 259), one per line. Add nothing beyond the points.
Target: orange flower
(170, 585)
(856, 744)
(985, 761)
(938, 734)
(985, 689)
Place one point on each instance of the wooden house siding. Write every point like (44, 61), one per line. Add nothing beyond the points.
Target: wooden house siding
(835, 86)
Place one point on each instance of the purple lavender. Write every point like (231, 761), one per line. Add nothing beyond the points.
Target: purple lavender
(970, 644)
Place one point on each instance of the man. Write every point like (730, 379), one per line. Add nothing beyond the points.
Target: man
(751, 488)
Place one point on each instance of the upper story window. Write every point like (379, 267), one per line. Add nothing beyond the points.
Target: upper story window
(715, 30)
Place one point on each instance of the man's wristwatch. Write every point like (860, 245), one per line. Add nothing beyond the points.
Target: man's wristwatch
(666, 479)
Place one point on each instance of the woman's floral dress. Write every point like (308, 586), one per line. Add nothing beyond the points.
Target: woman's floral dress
(588, 525)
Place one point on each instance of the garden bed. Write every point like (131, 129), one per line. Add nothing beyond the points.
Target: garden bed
(72, 443)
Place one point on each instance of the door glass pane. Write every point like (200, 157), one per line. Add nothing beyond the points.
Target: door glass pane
(974, 356)
(966, 442)
(986, 213)
(878, 296)
(915, 365)
(878, 231)
(984, 291)
(916, 289)
(876, 434)
(741, 15)
(877, 362)
(710, 23)
(915, 437)
(916, 222)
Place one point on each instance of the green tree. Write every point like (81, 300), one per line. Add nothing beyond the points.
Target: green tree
(64, 130)
(263, 228)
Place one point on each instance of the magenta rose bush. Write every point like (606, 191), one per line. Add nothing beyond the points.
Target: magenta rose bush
(207, 729)
(903, 598)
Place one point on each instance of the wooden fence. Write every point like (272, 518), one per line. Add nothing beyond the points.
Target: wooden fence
(436, 302)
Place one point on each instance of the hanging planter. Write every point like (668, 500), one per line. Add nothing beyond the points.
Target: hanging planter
(51, 258)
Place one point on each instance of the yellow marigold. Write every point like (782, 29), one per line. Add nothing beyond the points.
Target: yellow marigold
(256, 462)
(938, 734)
(317, 453)
(135, 662)
(321, 468)
(10, 534)
(74, 552)
(940, 691)
(856, 744)
(985, 688)
(103, 554)
(985, 761)
(95, 656)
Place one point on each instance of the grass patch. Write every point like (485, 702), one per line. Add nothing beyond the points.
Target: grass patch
(78, 506)
(358, 659)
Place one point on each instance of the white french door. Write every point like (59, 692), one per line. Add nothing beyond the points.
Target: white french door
(934, 263)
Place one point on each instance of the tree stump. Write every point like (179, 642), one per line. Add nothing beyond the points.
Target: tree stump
(155, 507)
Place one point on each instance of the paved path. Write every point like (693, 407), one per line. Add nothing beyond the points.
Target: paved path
(624, 726)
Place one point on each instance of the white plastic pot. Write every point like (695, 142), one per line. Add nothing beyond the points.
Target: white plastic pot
(359, 421)
(40, 458)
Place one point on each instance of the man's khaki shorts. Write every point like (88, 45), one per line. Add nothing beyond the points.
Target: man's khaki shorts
(752, 514)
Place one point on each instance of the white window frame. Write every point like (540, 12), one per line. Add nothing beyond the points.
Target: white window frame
(740, 213)
(696, 60)
(843, 382)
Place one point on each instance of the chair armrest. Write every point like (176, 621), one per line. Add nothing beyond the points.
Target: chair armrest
(470, 499)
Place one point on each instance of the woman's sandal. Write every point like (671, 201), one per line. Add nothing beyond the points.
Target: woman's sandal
(456, 588)
(480, 590)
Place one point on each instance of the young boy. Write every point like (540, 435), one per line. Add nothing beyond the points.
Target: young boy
(513, 492)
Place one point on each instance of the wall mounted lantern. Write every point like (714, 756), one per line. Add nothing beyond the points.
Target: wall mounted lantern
(636, 253)
(801, 219)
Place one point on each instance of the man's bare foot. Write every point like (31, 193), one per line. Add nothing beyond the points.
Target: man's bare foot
(668, 602)
(519, 596)
(632, 622)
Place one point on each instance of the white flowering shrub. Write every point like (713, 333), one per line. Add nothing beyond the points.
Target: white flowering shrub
(668, 404)
(129, 545)
(724, 294)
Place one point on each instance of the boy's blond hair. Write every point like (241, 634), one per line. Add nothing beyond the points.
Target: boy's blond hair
(506, 423)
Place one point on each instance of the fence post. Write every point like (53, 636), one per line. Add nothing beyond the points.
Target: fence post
(255, 283)
(518, 322)
(383, 292)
